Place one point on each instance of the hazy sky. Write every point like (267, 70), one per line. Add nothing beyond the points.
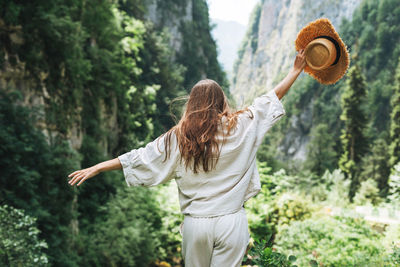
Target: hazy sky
(236, 10)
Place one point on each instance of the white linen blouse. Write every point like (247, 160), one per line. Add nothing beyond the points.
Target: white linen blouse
(222, 190)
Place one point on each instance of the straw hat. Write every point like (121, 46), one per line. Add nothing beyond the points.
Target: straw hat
(326, 55)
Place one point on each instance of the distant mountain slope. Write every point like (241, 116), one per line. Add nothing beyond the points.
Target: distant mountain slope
(228, 35)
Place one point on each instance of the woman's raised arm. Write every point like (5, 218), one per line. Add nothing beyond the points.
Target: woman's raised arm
(298, 66)
(82, 175)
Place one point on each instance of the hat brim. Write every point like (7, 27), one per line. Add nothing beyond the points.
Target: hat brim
(323, 27)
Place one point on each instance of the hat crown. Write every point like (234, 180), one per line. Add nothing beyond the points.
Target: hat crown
(320, 54)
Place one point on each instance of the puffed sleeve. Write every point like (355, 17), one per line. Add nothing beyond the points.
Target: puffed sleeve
(146, 166)
(267, 110)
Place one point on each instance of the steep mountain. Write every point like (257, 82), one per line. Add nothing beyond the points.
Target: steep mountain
(268, 50)
(370, 29)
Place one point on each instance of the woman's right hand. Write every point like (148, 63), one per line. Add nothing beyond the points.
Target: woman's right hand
(82, 175)
(300, 61)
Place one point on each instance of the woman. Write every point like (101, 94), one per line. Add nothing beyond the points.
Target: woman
(211, 154)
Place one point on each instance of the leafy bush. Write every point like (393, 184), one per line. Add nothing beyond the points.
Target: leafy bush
(170, 237)
(331, 241)
(394, 257)
(281, 182)
(392, 236)
(368, 193)
(262, 255)
(272, 207)
(394, 183)
(336, 188)
(290, 207)
(19, 239)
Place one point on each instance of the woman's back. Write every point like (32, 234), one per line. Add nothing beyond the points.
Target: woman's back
(235, 178)
(224, 188)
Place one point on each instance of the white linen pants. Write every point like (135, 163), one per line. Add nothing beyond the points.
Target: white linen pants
(215, 241)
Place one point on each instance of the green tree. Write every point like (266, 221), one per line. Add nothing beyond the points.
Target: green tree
(353, 136)
(394, 148)
(199, 50)
(130, 234)
(375, 165)
(321, 155)
(394, 183)
(105, 75)
(33, 176)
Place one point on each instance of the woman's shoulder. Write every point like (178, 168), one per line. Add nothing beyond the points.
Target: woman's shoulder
(236, 121)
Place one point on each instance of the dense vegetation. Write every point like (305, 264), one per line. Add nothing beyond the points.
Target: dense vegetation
(363, 143)
(83, 81)
(353, 126)
(20, 245)
(315, 222)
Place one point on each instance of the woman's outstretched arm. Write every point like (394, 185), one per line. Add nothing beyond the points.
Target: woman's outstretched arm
(298, 66)
(82, 175)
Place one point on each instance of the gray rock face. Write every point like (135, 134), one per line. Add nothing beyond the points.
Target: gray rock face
(294, 144)
(263, 66)
(170, 22)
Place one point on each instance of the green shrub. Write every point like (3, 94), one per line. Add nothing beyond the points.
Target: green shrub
(290, 207)
(394, 257)
(394, 183)
(33, 178)
(130, 234)
(170, 237)
(281, 182)
(265, 216)
(272, 206)
(19, 239)
(368, 193)
(262, 255)
(332, 241)
(337, 188)
(392, 236)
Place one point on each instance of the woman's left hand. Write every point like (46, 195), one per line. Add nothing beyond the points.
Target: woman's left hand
(82, 175)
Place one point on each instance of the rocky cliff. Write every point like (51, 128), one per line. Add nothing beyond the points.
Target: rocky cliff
(171, 24)
(170, 19)
(268, 49)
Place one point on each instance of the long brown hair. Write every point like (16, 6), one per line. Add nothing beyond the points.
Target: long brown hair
(196, 132)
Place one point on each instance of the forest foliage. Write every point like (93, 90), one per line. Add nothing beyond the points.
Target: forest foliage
(106, 75)
(105, 71)
(372, 38)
